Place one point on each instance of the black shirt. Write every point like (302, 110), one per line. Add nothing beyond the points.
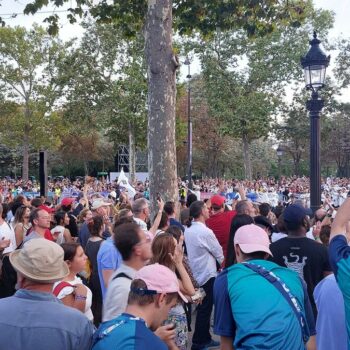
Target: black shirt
(72, 226)
(304, 256)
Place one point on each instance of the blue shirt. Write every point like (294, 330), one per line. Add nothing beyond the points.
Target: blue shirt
(126, 332)
(174, 222)
(108, 258)
(339, 257)
(249, 309)
(35, 320)
(330, 323)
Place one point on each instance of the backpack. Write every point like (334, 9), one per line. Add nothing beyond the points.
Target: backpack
(8, 277)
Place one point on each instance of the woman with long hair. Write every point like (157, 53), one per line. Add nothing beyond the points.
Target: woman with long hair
(60, 233)
(71, 290)
(95, 226)
(177, 233)
(166, 251)
(21, 223)
(18, 202)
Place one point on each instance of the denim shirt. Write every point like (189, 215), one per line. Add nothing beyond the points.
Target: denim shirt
(37, 320)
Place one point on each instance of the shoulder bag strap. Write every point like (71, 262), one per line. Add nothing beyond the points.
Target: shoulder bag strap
(122, 274)
(60, 286)
(285, 291)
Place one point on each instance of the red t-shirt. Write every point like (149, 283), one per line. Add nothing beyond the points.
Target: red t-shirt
(220, 224)
(48, 235)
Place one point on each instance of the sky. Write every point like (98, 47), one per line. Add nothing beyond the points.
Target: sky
(341, 10)
(67, 31)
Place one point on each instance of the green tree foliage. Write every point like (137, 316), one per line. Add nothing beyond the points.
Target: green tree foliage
(292, 126)
(342, 71)
(156, 19)
(242, 110)
(246, 77)
(293, 131)
(255, 17)
(107, 87)
(30, 72)
(336, 140)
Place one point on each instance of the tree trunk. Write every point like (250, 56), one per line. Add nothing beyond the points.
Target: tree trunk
(161, 66)
(297, 167)
(132, 153)
(25, 164)
(297, 159)
(246, 156)
(86, 167)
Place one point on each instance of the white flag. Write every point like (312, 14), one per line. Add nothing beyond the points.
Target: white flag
(123, 182)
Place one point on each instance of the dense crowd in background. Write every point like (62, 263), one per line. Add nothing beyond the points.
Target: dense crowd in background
(285, 189)
(89, 266)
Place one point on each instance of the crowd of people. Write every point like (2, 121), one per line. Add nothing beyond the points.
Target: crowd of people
(96, 270)
(271, 190)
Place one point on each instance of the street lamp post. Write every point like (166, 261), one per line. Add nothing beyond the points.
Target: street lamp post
(279, 152)
(314, 64)
(189, 126)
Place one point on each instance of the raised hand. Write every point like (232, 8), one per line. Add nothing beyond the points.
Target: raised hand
(166, 333)
(160, 204)
(178, 255)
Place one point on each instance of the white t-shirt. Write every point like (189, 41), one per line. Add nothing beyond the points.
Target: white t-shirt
(69, 290)
(7, 232)
(59, 231)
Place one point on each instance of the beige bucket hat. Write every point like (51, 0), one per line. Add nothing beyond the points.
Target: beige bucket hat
(40, 260)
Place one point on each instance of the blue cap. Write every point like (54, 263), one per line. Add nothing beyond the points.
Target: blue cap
(295, 213)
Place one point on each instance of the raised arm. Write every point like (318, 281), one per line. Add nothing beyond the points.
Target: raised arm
(157, 219)
(341, 220)
(242, 192)
(185, 282)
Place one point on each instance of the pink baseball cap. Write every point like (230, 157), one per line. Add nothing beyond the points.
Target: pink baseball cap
(160, 279)
(252, 238)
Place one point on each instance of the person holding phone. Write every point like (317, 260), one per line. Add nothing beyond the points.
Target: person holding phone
(168, 252)
(150, 299)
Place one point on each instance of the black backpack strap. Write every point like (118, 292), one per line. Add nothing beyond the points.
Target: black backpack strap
(285, 291)
(121, 274)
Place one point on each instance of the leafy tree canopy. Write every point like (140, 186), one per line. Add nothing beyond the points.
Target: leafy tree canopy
(255, 17)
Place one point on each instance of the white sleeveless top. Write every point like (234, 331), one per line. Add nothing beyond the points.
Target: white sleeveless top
(69, 290)
(58, 232)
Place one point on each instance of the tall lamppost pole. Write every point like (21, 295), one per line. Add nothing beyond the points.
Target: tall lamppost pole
(189, 126)
(314, 64)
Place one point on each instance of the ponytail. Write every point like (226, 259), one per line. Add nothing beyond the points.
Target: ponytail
(188, 222)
